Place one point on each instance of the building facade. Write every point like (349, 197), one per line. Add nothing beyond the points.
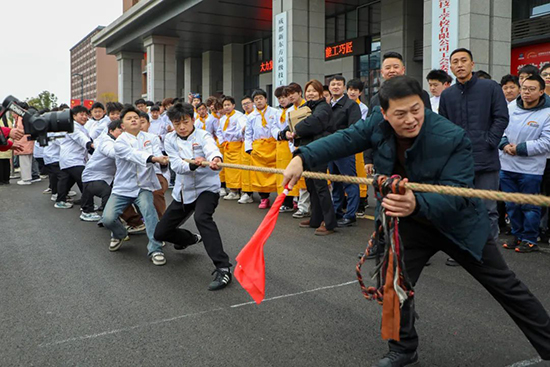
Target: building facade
(168, 48)
(93, 72)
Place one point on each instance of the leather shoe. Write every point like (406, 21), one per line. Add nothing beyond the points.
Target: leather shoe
(304, 224)
(345, 222)
(397, 359)
(451, 262)
(323, 231)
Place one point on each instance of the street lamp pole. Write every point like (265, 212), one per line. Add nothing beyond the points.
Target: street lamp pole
(81, 86)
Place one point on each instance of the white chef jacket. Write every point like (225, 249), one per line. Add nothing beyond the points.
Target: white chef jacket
(234, 131)
(73, 150)
(133, 173)
(101, 165)
(210, 124)
(255, 130)
(192, 183)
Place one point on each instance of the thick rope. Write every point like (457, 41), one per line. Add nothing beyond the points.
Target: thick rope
(538, 200)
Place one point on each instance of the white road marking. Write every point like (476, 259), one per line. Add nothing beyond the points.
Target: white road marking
(527, 362)
(162, 321)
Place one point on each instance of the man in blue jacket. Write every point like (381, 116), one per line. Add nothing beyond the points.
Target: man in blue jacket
(479, 107)
(424, 147)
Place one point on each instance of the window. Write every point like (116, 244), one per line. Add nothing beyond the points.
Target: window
(351, 24)
(525, 9)
(368, 70)
(362, 21)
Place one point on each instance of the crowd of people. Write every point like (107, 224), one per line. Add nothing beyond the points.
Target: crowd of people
(128, 156)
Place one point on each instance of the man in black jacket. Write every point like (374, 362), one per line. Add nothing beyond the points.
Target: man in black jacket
(479, 107)
(345, 113)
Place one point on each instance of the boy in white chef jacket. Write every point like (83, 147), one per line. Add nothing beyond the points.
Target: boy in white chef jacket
(135, 181)
(197, 190)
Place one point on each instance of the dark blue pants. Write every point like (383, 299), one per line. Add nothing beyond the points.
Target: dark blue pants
(524, 218)
(344, 166)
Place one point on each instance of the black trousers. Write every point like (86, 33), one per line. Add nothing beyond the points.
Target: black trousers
(97, 188)
(67, 179)
(322, 208)
(177, 213)
(5, 171)
(41, 166)
(422, 241)
(55, 173)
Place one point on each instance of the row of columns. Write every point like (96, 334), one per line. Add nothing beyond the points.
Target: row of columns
(484, 28)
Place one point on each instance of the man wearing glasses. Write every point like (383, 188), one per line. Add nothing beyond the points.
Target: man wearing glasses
(523, 159)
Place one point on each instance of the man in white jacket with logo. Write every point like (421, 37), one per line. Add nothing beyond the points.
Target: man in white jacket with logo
(524, 147)
(135, 181)
(196, 190)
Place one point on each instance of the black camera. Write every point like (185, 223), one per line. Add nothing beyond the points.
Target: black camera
(36, 125)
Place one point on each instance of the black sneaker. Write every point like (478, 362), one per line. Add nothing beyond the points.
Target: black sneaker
(198, 239)
(221, 280)
(510, 245)
(526, 246)
(397, 359)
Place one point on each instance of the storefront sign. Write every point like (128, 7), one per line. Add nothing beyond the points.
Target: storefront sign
(266, 67)
(356, 46)
(444, 32)
(537, 55)
(281, 40)
(150, 81)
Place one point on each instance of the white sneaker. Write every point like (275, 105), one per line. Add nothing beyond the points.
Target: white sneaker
(22, 182)
(245, 199)
(223, 192)
(301, 214)
(71, 194)
(90, 217)
(36, 179)
(115, 243)
(158, 258)
(47, 191)
(63, 205)
(54, 197)
(232, 196)
(139, 228)
(44, 177)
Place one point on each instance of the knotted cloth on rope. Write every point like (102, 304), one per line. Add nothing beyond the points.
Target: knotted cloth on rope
(467, 192)
(393, 287)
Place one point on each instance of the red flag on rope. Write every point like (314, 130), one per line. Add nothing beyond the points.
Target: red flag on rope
(250, 269)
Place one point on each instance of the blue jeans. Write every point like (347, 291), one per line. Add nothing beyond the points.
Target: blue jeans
(117, 204)
(344, 166)
(489, 181)
(525, 219)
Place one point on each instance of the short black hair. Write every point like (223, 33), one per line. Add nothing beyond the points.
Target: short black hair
(247, 97)
(529, 69)
(338, 78)
(228, 98)
(113, 107)
(128, 109)
(78, 109)
(509, 78)
(482, 74)
(201, 105)
(439, 75)
(98, 105)
(178, 111)
(144, 115)
(63, 106)
(544, 67)
(155, 108)
(325, 88)
(44, 110)
(113, 125)
(356, 84)
(259, 92)
(392, 55)
(399, 87)
(149, 103)
(539, 79)
(140, 101)
(462, 49)
(279, 91)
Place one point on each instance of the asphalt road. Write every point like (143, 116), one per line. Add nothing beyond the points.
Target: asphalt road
(65, 300)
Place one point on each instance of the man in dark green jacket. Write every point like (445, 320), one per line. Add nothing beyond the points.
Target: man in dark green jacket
(423, 147)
